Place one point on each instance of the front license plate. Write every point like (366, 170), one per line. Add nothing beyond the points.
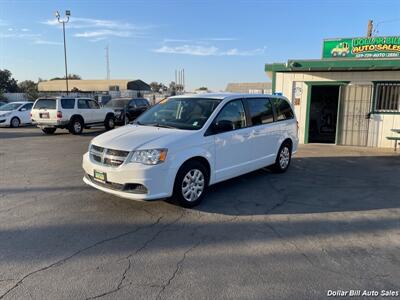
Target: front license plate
(101, 176)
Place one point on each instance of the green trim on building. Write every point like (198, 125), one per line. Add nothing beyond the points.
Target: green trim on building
(273, 83)
(335, 65)
(310, 84)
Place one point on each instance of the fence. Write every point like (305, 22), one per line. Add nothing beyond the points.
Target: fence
(12, 97)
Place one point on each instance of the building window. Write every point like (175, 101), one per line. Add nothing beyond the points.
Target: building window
(387, 97)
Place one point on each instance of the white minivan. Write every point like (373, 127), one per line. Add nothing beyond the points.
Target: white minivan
(185, 143)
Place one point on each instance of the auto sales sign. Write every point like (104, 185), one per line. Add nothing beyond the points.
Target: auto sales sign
(362, 47)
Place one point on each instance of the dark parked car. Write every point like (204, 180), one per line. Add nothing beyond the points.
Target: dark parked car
(129, 108)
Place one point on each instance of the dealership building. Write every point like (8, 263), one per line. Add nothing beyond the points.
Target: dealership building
(349, 97)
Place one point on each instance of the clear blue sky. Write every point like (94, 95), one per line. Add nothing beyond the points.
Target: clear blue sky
(215, 41)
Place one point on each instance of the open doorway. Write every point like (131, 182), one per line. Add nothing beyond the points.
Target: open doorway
(323, 114)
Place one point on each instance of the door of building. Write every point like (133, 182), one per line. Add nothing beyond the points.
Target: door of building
(354, 106)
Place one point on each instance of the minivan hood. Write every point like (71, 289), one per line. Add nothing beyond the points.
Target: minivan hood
(131, 137)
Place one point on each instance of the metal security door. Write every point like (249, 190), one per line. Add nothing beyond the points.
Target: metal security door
(354, 106)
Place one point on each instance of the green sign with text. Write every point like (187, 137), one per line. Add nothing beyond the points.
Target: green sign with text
(369, 47)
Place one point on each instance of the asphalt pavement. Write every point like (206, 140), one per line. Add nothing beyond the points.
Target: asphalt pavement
(330, 223)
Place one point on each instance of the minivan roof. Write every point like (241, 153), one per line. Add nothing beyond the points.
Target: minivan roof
(223, 96)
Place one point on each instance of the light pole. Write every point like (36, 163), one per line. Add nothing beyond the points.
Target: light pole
(63, 22)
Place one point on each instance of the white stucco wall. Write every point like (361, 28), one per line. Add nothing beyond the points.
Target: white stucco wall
(380, 124)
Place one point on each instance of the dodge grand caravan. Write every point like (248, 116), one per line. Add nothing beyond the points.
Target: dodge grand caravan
(185, 143)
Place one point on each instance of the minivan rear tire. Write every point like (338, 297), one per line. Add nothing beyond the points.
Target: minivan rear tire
(191, 179)
(283, 158)
(49, 130)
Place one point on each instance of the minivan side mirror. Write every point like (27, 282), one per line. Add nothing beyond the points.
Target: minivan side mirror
(222, 126)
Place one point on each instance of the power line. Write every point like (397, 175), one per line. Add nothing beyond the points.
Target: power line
(376, 31)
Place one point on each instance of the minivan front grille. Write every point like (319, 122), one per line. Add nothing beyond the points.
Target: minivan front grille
(108, 157)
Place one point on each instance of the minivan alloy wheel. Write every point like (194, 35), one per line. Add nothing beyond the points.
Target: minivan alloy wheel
(284, 157)
(193, 185)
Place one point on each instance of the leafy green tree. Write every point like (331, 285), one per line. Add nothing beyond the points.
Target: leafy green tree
(155, 87)
(172, 88)
(70, 76)
(7, 83)
(29, 88)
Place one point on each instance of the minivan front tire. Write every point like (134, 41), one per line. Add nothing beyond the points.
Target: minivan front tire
(191, 183)
(283, 158)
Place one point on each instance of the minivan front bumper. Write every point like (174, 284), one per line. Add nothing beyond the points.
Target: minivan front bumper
(132, 181)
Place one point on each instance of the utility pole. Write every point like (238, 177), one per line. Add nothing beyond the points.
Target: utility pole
(176, 77)
(63, 22)
(370, 28)
(108, 62)
(183, 79)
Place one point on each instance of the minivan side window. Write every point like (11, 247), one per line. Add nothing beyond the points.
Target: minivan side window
(68, 103)
(282, 109)
(233, 112)
(261, 111)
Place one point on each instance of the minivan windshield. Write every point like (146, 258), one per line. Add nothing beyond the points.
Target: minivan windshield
(45, 104)
(180, 113)
(10, 106)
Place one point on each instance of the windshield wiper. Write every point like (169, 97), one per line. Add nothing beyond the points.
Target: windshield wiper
(156, 124)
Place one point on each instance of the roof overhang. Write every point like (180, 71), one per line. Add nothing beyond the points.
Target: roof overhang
(329, 65)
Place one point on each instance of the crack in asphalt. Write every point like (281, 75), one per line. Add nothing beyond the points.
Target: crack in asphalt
(311, 262)
(177, 268)
(62, 261)
(128, 258)
(284, 198)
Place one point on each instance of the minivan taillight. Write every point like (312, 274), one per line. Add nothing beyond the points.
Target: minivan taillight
(59, 115)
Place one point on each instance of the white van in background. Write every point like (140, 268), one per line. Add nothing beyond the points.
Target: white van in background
(185, 143)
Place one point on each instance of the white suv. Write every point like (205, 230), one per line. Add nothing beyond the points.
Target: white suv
(185, 143)
(73, 114)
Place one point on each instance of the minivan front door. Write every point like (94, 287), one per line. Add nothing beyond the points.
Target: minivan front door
(265, 132)
(233, 155)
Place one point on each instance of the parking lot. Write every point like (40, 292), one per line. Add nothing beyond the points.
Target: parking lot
(330, 223)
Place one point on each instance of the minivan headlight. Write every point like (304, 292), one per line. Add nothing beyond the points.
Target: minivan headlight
(149, 157)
